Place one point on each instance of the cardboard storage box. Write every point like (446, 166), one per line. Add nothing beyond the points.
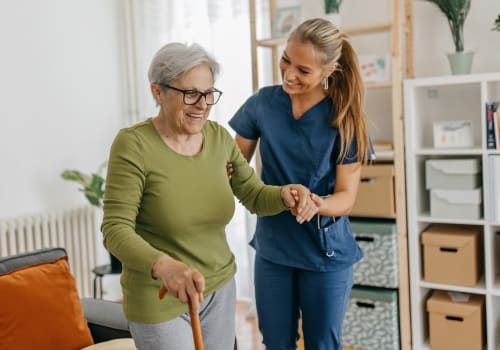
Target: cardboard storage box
(378, 241)
(376, 192)
(451, 254)
(452, 174)
(371, 319)
(456, 324)
(457, 204)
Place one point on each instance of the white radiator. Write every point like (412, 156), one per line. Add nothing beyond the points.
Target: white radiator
(75, 230)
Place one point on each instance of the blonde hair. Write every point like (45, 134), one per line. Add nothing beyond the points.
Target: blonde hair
(346, 86)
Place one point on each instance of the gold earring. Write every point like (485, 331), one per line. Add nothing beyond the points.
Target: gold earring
(324, 81)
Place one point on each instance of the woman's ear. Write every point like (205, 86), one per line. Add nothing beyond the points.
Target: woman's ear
(156, 91)
(332, 69)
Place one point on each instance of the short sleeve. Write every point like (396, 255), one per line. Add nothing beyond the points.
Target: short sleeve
(245, 122)
(352, 156)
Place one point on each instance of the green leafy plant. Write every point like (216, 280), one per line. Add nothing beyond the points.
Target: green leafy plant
(456, 12)
(92, 185)
(332, 6)
(497, 24)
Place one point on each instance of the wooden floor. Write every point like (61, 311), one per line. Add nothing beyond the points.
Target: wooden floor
(247, 331)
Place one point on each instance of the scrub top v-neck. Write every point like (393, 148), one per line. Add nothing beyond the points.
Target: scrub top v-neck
(303, 151)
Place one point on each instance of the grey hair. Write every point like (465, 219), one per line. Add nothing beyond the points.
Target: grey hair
(174, 59)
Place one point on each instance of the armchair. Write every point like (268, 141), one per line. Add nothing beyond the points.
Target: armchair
(40, 307)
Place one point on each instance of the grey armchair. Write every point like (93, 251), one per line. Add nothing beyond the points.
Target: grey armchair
(105, 319)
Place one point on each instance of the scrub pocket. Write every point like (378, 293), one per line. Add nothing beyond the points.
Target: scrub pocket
(335, 239)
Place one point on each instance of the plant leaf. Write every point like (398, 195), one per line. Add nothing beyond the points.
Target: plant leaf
(92, 185)
(77, 176)
(456, 12)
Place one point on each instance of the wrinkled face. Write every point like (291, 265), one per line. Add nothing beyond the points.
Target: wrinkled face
(187, 119)
(301, 69)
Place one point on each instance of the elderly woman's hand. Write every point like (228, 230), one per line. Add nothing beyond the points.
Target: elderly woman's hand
(183, 282)
(298, 199)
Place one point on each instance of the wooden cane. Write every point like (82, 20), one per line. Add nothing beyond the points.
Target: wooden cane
(195, 322)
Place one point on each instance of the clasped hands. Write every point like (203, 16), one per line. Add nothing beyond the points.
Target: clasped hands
(302, 203)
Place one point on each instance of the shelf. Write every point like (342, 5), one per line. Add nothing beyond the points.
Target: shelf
(479, 289)
(272, 42)
(432, 219)
(368, 29)
(358, 30)
(448, 152)
(376, 85)
(447, 80)
(384, 155)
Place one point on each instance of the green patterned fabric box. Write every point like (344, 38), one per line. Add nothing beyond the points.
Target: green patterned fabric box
(371, 320)
(378, 241)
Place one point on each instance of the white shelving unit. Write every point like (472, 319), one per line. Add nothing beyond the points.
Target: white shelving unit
(441, 99)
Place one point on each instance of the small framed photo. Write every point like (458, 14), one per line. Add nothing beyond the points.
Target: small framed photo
(453, 134)
(374, 68)
(286, 19)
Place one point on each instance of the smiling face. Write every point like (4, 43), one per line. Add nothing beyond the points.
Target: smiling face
(301, 68)
(182, 119)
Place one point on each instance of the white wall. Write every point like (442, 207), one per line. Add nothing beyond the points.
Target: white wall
(432, 35)
(433, 38)
(61, 87)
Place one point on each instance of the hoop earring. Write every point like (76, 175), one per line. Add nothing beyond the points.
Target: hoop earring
(324, 82)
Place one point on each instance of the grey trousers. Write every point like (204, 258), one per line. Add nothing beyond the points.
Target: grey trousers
(217, 317)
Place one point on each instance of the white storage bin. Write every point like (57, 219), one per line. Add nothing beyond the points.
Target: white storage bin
(456, 204)
(452, 173)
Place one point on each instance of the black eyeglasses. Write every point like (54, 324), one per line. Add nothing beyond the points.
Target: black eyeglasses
(192, 97)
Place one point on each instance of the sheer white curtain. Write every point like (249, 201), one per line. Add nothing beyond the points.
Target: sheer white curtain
(221, 27)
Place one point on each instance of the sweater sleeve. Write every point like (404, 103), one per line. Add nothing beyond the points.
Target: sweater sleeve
(258, 198)
(125, 183)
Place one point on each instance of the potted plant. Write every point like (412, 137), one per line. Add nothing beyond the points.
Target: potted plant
(93, 190)
(456, 12)
(332, 6)
(497, 24)
(332, 9)
(92, 185)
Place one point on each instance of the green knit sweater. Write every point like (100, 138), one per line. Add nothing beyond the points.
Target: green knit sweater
(157, 201)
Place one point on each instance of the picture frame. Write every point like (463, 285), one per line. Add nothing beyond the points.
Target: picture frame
(374, 68)
(453, 134)
(285, 20)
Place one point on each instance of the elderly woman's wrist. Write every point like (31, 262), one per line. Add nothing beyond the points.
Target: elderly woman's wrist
(159, 265)
(283, 195)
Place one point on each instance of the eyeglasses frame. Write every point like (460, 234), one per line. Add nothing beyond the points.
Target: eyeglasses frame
(184, 92)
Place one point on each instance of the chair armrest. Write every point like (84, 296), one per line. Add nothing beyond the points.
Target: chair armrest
(106, 319)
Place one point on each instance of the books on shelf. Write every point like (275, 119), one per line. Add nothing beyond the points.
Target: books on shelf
(496, 123)
(494, 174)
(492, 125)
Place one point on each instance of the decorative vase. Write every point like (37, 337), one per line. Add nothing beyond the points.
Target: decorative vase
(335, 18)
(460, 62)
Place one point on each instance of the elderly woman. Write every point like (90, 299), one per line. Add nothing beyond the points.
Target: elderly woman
(168, 200)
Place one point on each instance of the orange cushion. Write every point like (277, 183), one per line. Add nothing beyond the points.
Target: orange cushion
(40, 309)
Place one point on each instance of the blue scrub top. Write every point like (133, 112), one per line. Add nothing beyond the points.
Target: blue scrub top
(302, 151)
